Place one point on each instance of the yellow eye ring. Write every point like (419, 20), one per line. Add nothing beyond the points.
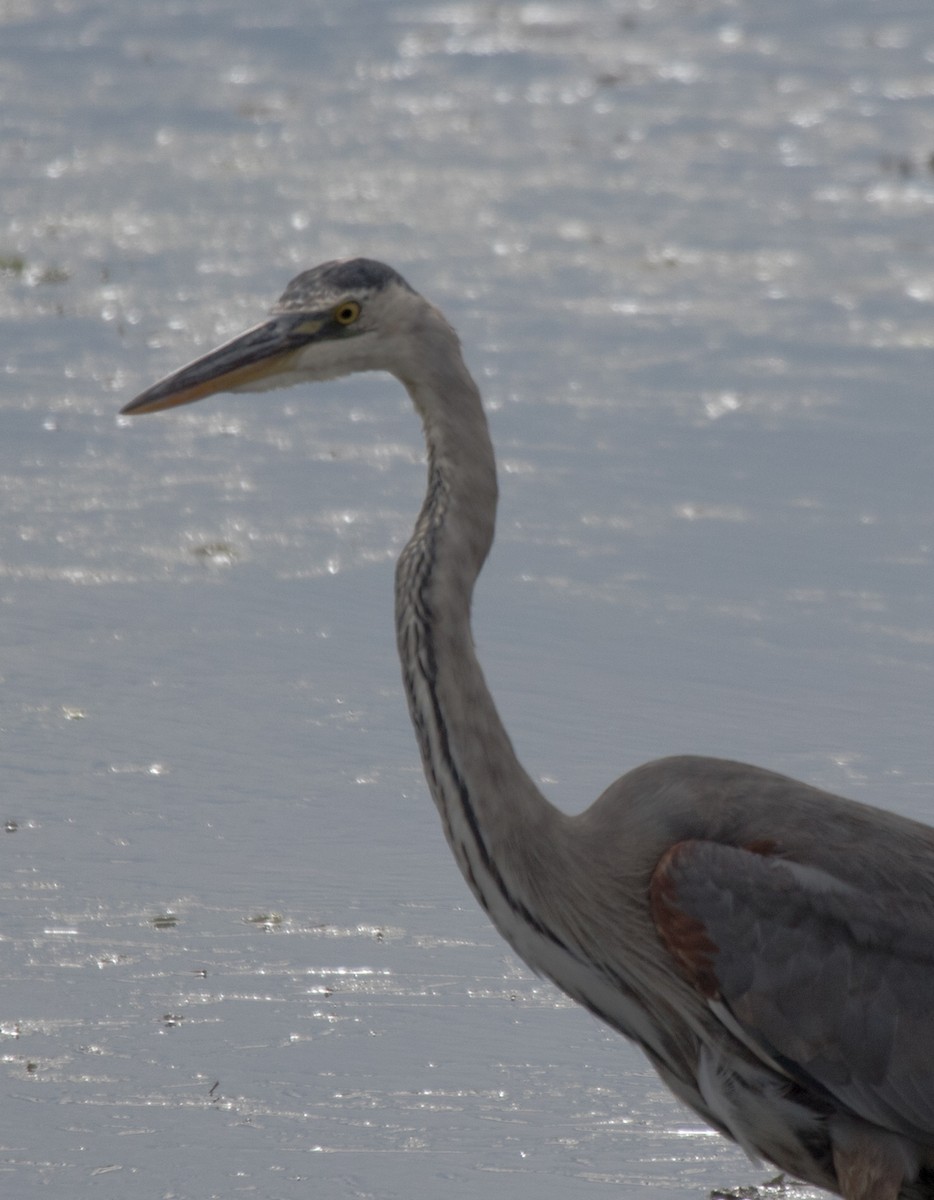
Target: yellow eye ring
(347, 313)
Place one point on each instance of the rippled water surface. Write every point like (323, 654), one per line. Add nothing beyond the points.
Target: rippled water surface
(687, 246)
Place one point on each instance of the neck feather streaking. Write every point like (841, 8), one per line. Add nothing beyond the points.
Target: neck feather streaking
(519, 854)
(490, 808)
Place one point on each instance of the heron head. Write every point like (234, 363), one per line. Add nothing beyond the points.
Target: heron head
(338, 318)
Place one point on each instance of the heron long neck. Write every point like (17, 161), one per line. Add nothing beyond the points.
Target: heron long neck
(495, 819)
(532, 868)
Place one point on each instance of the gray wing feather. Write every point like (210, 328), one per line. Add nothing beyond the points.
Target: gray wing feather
(835, 984)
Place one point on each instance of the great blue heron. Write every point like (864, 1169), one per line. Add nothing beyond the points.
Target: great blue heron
(769, 946)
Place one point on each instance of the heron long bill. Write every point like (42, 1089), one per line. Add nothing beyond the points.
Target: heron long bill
(263, 353)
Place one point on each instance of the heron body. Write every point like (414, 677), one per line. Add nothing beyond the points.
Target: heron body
(768, 945)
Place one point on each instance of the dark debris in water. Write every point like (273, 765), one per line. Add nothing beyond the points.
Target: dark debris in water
(781, 1185)
(12, 264)
(907, 166)
(218, 553)
(267, 921)
(53, 275)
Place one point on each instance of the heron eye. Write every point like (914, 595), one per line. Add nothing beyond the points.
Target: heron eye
(347, 313)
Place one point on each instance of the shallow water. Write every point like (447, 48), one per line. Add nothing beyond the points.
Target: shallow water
(688, 249)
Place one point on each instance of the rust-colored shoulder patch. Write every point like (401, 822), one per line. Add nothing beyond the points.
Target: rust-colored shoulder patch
(766, 847)
(684, 936)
